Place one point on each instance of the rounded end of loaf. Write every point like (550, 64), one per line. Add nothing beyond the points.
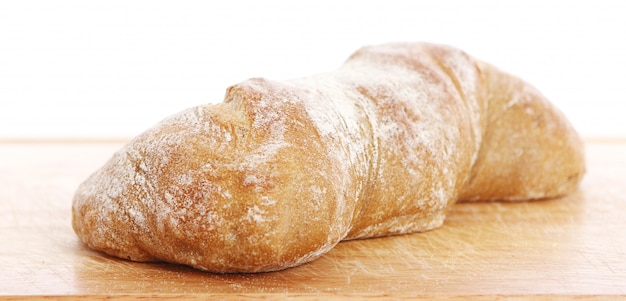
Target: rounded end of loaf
(529, 148)
(233, 187)
(96, 221)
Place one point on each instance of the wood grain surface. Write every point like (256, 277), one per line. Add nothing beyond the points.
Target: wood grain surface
(574, 247)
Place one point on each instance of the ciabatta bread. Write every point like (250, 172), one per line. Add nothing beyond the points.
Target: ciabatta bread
(280, 172)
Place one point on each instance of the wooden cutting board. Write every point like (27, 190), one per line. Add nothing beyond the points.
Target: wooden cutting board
(573, 247)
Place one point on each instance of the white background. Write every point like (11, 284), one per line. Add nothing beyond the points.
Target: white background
(92, 69)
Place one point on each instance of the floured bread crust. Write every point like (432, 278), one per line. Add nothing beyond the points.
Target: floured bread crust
(280, 172)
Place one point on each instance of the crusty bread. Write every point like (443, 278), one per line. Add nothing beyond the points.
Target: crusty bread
(280, 172)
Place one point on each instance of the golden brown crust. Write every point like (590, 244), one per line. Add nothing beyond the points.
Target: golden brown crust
(529, 149)
(280, 172)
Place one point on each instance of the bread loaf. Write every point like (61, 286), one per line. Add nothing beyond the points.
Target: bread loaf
(282, 171)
